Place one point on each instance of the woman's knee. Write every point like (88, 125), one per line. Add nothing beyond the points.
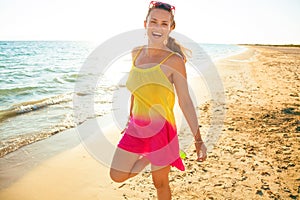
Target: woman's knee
(161, 178)
(118, 176)
(161, 183)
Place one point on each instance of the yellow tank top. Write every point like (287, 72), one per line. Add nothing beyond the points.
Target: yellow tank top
(153, 92)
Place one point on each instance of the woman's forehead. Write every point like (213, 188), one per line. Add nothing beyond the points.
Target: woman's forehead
(160, 14)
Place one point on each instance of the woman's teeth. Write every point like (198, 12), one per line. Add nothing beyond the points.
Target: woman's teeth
(156, 34)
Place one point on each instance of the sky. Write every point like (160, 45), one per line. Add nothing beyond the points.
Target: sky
(204, 21)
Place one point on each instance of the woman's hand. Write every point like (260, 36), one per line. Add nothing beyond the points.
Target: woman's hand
(126, 126)
(201, 151)
(123, 130)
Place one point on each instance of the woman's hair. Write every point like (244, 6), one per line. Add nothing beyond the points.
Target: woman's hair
(172, 43)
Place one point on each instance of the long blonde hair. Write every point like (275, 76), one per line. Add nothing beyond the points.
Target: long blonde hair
(172, 43)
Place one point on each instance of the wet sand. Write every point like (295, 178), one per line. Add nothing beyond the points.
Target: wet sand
(256, 157)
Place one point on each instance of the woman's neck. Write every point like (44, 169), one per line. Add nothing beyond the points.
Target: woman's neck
(155, 49)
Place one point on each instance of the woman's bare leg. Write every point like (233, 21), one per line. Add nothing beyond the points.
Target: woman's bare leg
(126, 165)
(160, 177)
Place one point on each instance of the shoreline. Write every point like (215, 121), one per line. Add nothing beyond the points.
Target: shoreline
(24, 159)
(256, 154)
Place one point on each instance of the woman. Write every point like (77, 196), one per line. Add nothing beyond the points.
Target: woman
(150, 135)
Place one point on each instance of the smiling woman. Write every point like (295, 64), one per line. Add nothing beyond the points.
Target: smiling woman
(158, 70)
(161, 18)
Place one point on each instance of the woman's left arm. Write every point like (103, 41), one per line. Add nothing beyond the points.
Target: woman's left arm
(185, 102)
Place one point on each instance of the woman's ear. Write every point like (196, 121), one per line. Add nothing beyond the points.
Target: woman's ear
(173, 26)
(145, 23)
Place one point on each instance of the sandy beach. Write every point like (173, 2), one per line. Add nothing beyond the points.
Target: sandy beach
(256, 157)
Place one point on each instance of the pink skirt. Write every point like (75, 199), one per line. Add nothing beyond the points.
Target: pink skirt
(161, 148)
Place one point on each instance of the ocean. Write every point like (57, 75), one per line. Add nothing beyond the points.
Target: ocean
(37, 80)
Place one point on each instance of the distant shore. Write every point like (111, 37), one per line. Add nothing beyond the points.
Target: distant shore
(272, 45)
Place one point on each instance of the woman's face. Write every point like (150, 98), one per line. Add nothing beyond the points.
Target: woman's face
(158, 25)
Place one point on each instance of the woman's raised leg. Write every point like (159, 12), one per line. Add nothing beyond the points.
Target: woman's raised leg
(126, 165)
(160, 177)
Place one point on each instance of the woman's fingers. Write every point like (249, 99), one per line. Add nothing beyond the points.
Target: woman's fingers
(123, 131)
(201, 152)
(202, 158)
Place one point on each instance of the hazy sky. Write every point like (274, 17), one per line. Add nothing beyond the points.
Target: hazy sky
(204, 21)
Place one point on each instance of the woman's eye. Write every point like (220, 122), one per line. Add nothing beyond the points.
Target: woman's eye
(164, 24)
(153, 22)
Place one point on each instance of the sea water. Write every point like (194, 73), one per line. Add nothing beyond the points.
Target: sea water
(37, 80)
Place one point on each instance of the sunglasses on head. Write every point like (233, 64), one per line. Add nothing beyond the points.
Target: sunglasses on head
(165, 6)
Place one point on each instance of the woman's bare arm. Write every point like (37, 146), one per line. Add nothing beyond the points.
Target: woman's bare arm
(185, 102)
(133, 53)
(184, 98)
(131, 105)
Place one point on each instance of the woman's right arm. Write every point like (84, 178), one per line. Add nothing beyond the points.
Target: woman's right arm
(131, 105)
(133, 53)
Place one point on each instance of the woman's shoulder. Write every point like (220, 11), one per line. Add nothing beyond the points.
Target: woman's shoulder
(176, 62)
(176, 58)
(135, 50)
(175, 55)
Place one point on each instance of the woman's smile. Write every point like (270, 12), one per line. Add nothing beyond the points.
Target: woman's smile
(157, 34)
